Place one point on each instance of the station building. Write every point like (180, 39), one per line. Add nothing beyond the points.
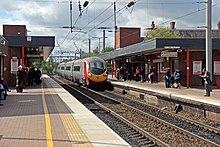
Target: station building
(23, 50)
(187, 53)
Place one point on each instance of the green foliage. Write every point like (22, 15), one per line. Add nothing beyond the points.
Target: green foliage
(108, 49)
(162, 33)
(50, 66)
(96, 51)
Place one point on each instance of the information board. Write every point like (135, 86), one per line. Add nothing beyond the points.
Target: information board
(216, 67)
(14, 66)
(197, 67)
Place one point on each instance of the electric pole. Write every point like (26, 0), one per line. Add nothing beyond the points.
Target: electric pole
(103, 41)
(209, 36)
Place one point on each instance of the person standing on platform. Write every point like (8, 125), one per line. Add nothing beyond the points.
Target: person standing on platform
(31, 76)
(177, 78)
(207, 80)
(203, 72)
(20, 79)
(142, 74)
(128, 73)
(137, 73)
(167, 77)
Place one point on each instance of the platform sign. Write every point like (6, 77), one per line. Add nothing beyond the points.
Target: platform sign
(169, 54)
(14, 66)
(197, 67)
(216, 67)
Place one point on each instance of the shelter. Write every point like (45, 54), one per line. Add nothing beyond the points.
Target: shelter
(23, 50)
(187, 54)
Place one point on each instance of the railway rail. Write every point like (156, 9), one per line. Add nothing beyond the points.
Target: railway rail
(164, 126)
(134, 135)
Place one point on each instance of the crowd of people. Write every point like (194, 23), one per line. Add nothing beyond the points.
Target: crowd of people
(25, 76)
(171, 80)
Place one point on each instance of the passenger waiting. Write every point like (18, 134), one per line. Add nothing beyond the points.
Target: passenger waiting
(137, 73)
(4, 85)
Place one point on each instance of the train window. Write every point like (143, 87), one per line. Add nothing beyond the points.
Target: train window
(98, 65)
(62, 68)
(68, 68)
(76, 68)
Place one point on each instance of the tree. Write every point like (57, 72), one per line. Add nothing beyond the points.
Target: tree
(162, 33)
(96, 51)
(108, 49)
(49, 66)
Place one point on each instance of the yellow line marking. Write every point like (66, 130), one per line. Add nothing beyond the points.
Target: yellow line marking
(75, 133)
(47, 120)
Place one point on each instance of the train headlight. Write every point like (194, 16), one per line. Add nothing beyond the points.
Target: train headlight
(89, 74)
(105, 74)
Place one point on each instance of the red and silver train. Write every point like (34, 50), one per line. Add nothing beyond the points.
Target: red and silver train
(88, 71)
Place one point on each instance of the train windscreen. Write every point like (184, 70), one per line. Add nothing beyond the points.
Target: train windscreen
(97, 67)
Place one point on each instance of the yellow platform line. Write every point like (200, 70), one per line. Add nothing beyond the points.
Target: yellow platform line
(76, 135)
(49, 137)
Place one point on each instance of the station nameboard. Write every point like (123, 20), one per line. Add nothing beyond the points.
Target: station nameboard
(169, 54)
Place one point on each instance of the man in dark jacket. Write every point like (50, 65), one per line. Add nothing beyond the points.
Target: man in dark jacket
(31, 76)
(167, 77)
(21, 79)
(207, 80)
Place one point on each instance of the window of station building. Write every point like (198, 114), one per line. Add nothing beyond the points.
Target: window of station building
(76, 68)
(68, 68)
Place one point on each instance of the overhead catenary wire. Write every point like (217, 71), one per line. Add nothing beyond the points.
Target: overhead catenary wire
(182, 16)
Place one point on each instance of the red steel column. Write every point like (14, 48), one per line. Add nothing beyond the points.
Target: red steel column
(187, 68)
(22, 55)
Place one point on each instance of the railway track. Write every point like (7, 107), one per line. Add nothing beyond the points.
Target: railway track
(131, 133)
(147, 122)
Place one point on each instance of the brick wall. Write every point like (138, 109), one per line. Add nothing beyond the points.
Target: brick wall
(10, 79)
(14, 30)
(127, 36)
(195, 80)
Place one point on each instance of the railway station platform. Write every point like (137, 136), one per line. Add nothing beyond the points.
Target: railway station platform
(46, 115)
(190, 94)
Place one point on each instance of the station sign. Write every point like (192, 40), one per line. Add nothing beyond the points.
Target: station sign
(169, 54)
(14, 65)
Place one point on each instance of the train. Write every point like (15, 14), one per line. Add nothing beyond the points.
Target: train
(89, 71)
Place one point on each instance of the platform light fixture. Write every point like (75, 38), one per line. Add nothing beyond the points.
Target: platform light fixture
(131, 3)
(85, 4)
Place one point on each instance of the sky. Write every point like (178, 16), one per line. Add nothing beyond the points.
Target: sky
(52, 18)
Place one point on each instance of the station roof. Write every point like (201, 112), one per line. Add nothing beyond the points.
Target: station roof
(47, 43)
(158, 45)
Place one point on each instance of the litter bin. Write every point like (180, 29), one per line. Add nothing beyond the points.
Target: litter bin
(218, 82)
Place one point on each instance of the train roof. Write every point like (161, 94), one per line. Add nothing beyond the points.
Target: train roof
(89, 59)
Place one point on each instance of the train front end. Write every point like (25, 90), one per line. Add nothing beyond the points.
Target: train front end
(96, 72)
